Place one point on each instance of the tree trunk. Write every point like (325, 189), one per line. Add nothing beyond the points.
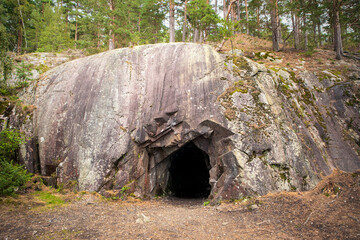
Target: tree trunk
(258, 19)
(19, 43)
(319, 34)
(195, 38)
(111, 33)
(98, 37)
(238, 12)
(184, 25)
(305, 33)
(224, 9)
(314, 20)
(295, 23)
(226, 18)
(76, 23)
(76, 31)
(337, 30)
(22, 24)
(274, 26)
(216, 6)
(233, 14)
(315, 37)
(247, 17)
(172, 21)
(278, 22)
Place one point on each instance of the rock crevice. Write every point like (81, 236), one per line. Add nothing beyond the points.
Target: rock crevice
(114, 119)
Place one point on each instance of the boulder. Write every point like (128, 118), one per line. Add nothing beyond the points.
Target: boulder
(132, 114)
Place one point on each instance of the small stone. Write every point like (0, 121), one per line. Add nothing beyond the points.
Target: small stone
(142, 219)
(254, 207)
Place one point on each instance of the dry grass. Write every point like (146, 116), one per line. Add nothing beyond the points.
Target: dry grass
(294, 60)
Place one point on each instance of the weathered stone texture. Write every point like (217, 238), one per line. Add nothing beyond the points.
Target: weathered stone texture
(113, 118)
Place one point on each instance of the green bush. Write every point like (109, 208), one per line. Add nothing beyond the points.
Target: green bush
(10, 139)
(12, 177)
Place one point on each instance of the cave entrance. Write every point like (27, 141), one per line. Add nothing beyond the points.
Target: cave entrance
(189, 172)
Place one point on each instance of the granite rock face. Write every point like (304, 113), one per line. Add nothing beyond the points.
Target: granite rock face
(120, 118)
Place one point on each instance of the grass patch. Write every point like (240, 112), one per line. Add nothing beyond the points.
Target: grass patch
(49, 199)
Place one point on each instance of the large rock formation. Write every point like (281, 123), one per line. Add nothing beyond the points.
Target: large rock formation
(137, 115)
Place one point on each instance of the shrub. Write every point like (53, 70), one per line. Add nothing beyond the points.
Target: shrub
(12, 177)
(10, 140)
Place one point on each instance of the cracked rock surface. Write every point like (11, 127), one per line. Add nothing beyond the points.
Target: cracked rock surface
(113, 119)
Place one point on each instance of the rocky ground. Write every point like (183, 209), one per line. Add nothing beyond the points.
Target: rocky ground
(315, 60)
(330, 211)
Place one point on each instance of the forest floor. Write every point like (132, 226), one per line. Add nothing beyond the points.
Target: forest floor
(313, 60)
(329, 211)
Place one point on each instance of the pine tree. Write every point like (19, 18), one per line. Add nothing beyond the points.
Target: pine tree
(201, 16)
(54, 37)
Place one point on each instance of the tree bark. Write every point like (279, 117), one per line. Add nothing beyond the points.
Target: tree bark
(258, 19)
(76, 31)
(232, 14)
(23, 24)
(196, 34)
(184, 25)
(278, 22)
(172, 21)
(228, 10)
(76, 23)
(247, 17)
(224, 9)
(337, 30)
(19, 43)
(319, 34)
(238, 16)
(295, 23)
(305, 33)
(314, 21)
(112, 23)
(315, 32)
(216, 6)
(274, 26)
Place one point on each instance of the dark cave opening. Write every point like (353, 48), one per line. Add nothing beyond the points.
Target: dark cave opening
(189, 172)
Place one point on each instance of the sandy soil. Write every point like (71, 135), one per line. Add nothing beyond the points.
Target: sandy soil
(330, 211)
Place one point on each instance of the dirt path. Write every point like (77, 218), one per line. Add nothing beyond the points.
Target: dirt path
(330, 211)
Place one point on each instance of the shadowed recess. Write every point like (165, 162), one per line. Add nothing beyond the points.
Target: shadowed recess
(189, 172)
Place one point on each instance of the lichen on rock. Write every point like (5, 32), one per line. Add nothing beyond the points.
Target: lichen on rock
(122, 116)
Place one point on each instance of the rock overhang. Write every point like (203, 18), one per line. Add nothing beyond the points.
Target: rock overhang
(111, 119)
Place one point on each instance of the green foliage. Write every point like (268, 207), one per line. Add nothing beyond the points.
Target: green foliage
(23, 75)
(201, 15)
(55, 36)
(12, 177)
(6, 62)
(6, 66)
(10, 140)
(89, 24)
(124, 189)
